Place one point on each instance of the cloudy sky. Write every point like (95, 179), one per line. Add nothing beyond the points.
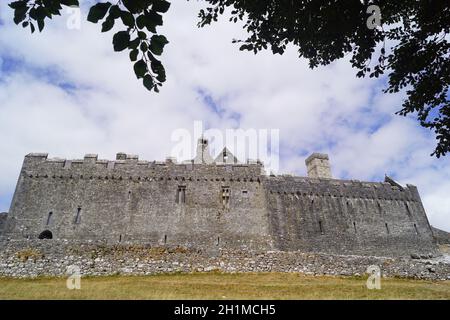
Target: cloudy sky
(67, 93)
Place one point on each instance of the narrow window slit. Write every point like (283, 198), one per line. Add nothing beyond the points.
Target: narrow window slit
(226, 197)
(408, 211)
(380, 209)
(78, 216)
(181, 194)
(49, 218)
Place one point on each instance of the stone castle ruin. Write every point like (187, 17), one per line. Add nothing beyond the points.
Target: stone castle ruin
(214, 203)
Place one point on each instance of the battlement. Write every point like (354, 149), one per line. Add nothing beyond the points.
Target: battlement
(316, 187)
(126, 166)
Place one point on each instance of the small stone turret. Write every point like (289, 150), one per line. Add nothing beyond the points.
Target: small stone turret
(203, 156)
(318, 166)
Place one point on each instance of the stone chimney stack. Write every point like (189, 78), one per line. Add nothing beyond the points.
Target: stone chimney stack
(318, 166)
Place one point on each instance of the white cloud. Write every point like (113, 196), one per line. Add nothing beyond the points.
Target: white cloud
(327, 109)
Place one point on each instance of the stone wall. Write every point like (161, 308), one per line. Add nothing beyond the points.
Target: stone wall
(441, 236)
(3, 217)
(131, 200)
(53, 257)
(213, 206)
(340, 216)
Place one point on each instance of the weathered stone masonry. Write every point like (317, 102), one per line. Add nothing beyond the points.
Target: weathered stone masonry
(207, 204)
(3, 216)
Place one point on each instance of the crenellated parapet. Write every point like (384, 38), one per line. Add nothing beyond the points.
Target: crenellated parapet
(126, 166)
(129, 167)
(340, 188)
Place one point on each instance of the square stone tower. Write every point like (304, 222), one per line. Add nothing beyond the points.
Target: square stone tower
(318, 166)
(203, 156)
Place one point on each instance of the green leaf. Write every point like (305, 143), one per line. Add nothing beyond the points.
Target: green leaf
(158, 68)
(121, 40)
(107, 25)
(142, 35)
(140, 69)
(40, 23)
(154, 18)
(134, 54)
(150, 56)
(161, 77)
(98, 11)
(160, 39)
(127, 18)
(41, 13)
(115, 12)
(148, 82)
(32, 13)
(70, 3)
(18, 4)
(20, 14)
(141, 21)
(161, 5)
(53, 7)
(134, 43)
(132, 5)
(157, 44)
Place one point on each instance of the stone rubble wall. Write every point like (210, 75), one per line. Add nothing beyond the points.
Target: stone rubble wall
(24, 259)
(441, 236)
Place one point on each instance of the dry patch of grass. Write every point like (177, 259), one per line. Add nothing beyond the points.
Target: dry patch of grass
(215, 285)
(31, 254)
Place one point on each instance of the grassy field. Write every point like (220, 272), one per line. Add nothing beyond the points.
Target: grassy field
(222, 286)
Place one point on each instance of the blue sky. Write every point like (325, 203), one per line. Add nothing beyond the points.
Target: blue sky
(67, 93)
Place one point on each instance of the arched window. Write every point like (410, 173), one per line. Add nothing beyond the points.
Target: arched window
(46, 234)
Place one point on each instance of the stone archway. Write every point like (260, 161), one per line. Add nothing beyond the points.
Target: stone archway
(46, 234)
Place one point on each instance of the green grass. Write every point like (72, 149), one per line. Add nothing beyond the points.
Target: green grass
(217, 285)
